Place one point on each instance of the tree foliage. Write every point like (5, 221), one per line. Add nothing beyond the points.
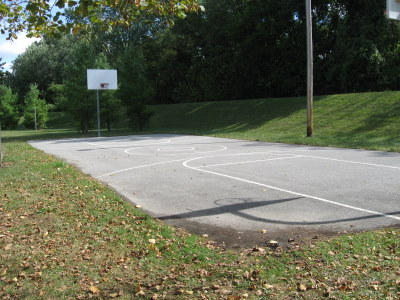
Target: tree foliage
(135, 89)
(36, 109)
(8, 112)
(42, 64)
(79, 101)
(257, 48)
(39, 17)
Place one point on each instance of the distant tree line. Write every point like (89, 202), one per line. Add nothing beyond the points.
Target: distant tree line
(240, 49)
(234, 49)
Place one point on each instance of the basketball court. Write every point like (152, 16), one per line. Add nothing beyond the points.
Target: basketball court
(243, 185)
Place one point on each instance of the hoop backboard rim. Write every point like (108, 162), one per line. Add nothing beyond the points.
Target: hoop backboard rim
(97, 77)
(393, 9)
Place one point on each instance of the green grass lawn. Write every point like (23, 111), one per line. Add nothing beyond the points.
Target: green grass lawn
(368, 120)
(64, 235)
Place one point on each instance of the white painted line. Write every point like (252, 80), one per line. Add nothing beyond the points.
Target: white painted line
(128, 144)
(352, 162)
(185, 163)
(171, 161)
(59, 148)
(140, 167)
(250, 161)
(129, 151)
(176, 149)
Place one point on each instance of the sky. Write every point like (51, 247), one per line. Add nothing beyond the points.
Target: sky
(10, 50)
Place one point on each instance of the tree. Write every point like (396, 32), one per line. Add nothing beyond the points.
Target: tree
(42, 63)
(135, 89)
(73, 95)
(36, 109)
(80, 103)
(359, 53)
(39, 17)
(4, 75)
(8, 113)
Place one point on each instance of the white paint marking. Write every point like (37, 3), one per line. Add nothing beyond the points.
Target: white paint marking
(250, 161)
(185, 163)
(128, 144)
(352, 162)
(129, 151)
(139, 167)
(176, 149)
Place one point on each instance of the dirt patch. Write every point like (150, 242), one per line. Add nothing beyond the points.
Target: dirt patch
(6, 164)
(287, 239)
(231, 238)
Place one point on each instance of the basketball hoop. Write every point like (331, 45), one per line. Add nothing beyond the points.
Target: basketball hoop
(101, 80)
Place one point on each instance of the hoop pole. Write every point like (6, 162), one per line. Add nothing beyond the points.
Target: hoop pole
(35, 118)
(310, 75)
(98, 113)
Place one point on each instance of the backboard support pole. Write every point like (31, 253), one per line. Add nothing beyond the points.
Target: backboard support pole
(98, 113)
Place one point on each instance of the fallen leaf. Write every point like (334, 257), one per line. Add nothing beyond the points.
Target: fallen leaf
(273, 244)
(268, 286)
(258, 249)
(302, 287)
(8, 247)
(375, 287)
(94, 289)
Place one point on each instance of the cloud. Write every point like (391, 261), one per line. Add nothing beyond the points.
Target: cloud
(18, 46)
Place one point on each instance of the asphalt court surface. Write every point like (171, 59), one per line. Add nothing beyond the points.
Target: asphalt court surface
(243, 185)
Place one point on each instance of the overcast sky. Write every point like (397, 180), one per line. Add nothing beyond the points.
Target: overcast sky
(10, 50)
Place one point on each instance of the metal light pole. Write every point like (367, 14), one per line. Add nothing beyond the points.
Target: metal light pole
(310, 71)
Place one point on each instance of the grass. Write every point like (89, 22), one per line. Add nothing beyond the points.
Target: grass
(367, 120)
(63, 235)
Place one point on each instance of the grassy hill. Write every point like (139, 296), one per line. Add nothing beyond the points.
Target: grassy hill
(366, 120)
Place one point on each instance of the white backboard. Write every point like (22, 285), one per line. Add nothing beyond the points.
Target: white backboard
(393, 9)
(102, 79)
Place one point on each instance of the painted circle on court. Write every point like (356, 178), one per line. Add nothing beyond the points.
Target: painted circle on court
(175, 150)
